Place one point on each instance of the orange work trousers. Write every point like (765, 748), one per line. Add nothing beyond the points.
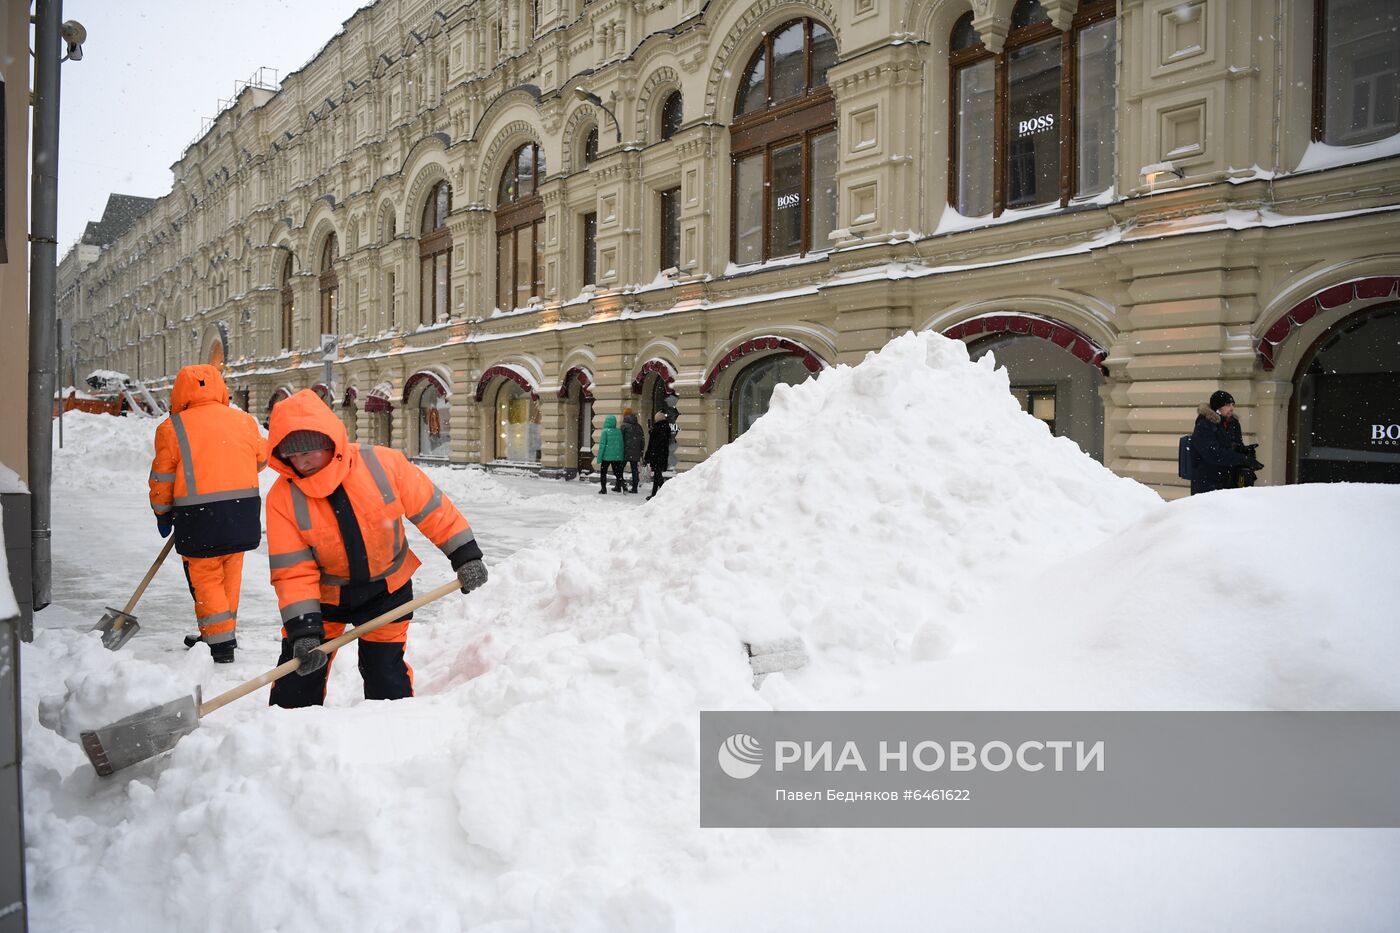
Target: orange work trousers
(215, 583)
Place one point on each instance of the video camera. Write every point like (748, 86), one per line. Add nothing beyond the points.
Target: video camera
(1247, 474)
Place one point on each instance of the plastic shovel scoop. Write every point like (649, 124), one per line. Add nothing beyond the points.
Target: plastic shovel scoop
(156, 730)
(118, 625)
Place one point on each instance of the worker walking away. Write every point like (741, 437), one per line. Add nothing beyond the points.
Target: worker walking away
(204, 485)
(338, 552)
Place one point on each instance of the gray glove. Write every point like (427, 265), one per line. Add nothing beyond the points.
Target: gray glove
(304, 650)
(471, 575)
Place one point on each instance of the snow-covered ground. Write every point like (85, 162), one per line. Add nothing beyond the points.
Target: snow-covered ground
(932, 546)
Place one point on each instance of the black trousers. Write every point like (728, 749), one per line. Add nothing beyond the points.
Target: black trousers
(603, 473)
(382, 666)
(657, 478)
(636, 474)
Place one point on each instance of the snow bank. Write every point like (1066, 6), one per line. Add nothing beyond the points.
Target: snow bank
(910, 524)
(1265, 598)
(101, 450)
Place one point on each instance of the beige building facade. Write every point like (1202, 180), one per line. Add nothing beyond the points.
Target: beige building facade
(515, 218)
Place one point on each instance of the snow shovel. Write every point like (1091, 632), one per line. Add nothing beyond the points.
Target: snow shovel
(118, 625)
(150, 732)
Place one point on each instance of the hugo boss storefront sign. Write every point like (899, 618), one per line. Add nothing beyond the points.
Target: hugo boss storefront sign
(1352, 429)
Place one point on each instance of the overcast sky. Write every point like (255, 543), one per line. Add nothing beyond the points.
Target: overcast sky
(151, 71)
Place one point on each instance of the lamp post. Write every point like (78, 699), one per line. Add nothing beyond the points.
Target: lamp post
(584, 94)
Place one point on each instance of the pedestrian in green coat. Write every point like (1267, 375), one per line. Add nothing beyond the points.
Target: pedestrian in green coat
(610, 451)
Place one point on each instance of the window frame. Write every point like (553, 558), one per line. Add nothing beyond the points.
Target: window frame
(1091, 13)
(1319, 79)
(432, 244)
(330, 285)
(588, 221)
(289, 306)
(791, 120)
(669, 238)
(590, 146)
(668, 120)
(523, 211)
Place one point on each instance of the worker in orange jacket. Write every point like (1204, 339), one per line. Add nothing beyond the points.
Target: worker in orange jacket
(337, 548)
(204, 485)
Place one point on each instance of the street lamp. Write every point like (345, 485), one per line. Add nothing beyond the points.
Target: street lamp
(73, 35)
(584, 94)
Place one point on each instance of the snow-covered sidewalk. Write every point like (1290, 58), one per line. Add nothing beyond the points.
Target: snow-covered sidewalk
(932, 546)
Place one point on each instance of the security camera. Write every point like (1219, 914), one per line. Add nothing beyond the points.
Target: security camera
(74, 35)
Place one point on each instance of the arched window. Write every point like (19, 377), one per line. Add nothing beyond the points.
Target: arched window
(671, 115)
(288, 301)
(753, 388)
(783, 141)
(519, 214)
(330, 286)
(1051, 384)
(435, 255)
(1356, 71)
(517, 424)
(1034, 124)
(590, 145)
(434, 432)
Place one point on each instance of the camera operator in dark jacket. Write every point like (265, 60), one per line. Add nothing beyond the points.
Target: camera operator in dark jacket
(1219, 457)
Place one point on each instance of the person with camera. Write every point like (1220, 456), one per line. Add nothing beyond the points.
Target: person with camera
(1220, 458)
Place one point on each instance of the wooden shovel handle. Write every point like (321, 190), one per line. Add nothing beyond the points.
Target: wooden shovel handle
(150, 575)
(281, 670)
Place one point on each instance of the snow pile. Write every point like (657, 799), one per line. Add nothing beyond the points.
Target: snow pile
(1265, 598)
(917, 531)
(102, 450)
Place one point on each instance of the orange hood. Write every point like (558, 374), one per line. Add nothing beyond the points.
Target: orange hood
(305, 411)
(198, 385)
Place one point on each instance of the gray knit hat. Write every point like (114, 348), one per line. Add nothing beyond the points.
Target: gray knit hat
(301, 442)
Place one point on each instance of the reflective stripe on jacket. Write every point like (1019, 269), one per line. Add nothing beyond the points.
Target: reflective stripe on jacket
(206, 467)
(307, 551)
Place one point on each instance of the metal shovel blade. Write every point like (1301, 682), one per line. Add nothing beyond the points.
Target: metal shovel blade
(116, 627)
(142, 735)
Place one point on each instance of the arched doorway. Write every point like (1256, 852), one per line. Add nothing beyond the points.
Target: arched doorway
(578, 419)
(753, 388)
(1345, 416)
(653, 385)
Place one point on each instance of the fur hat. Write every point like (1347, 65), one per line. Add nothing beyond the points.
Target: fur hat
(660, 416)
(301, 442)
(1220, 399)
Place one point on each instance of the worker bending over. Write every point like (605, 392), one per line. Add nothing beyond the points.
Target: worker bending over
(337, 548)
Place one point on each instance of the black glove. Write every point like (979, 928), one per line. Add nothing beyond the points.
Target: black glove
(471, 575)
(304, 650)
(223, 651)
(164, 523)
(1254, 464)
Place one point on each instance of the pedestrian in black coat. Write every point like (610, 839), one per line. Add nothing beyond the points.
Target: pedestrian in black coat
(1217, 446)
(659, 451)
(633, 440)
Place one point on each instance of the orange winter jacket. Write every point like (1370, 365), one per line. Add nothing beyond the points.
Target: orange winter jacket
(206, 467)
(336, 538)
